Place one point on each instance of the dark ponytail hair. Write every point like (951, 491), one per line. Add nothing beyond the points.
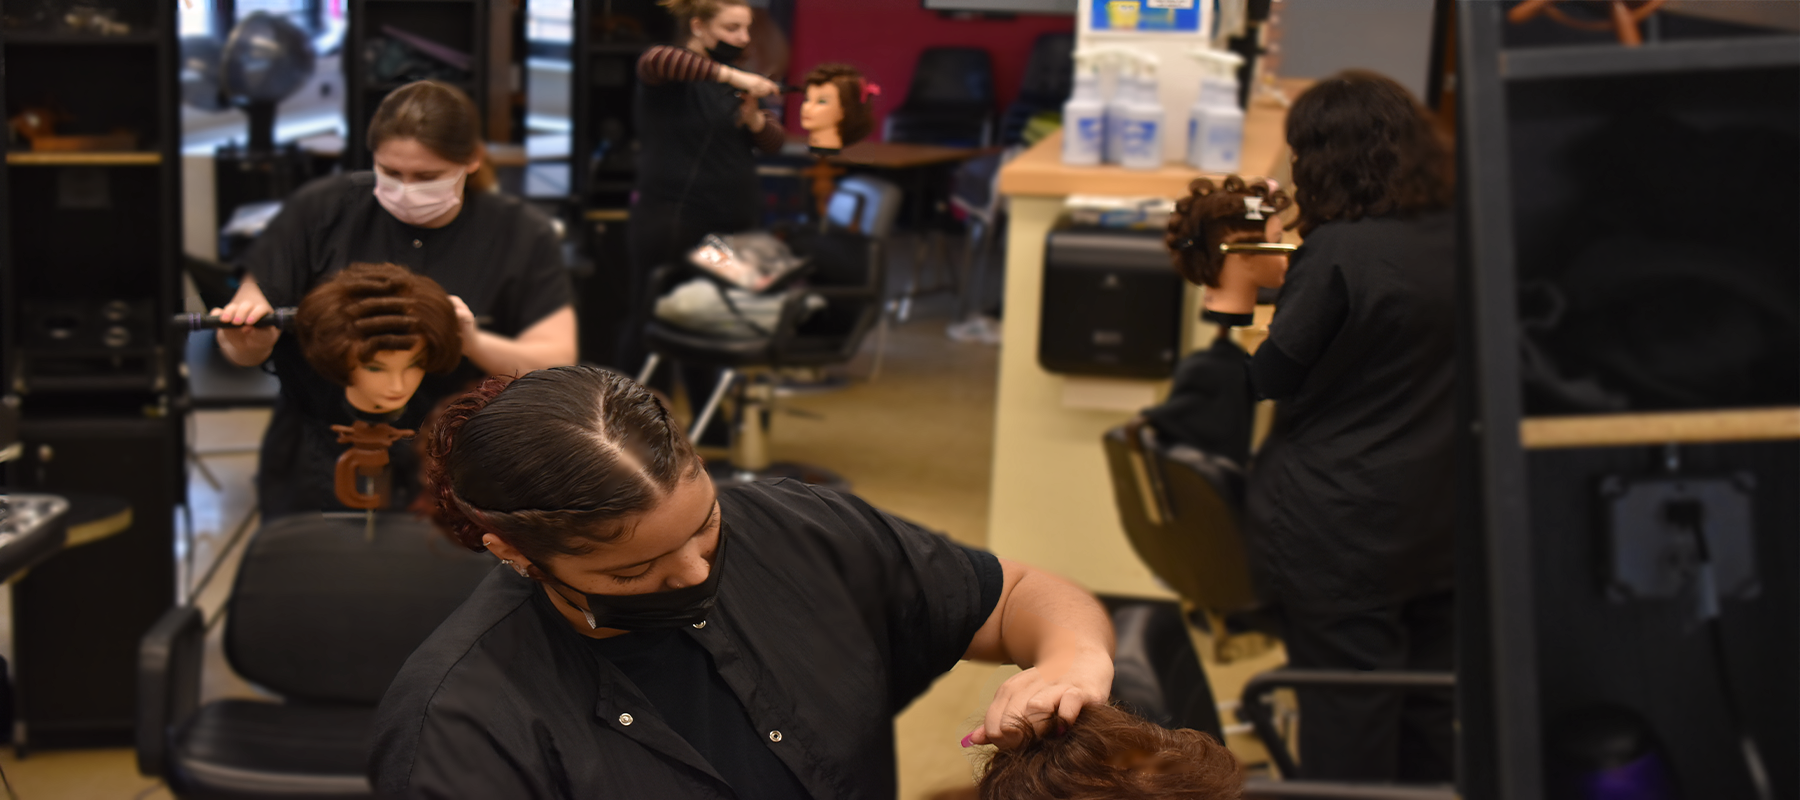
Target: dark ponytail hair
(1212, 215)
(554, 462)
(1363, 147)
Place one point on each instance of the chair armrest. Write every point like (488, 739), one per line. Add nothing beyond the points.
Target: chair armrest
(1263, 789)
(168, 682)
(1254, 708)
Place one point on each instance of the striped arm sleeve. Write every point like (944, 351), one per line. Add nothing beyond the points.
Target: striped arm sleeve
(665, 64)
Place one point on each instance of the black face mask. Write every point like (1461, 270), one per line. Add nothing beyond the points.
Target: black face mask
(725, 53)
(688, 605)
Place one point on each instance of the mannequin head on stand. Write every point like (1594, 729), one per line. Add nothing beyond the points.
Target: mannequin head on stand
(1237, 212)
(376, 330)
(836, 113)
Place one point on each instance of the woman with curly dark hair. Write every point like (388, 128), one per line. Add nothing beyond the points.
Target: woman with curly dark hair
(1349, 513)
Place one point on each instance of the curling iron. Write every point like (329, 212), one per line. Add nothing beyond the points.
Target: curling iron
(282, 318)
(1264, 248)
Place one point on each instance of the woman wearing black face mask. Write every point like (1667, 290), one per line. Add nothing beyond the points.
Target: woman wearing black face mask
(699, 126)
(648, 635)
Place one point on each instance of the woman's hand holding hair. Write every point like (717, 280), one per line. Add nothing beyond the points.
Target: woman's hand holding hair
(750, 115)
(246, 346)
(1061, 635)
(750, 83)
(465, 322)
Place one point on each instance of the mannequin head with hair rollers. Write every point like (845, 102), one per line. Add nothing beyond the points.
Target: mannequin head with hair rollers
(718, 28)
(1237, 212)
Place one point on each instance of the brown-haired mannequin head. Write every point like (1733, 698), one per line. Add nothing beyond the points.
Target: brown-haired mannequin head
(376, 329)
(836, 113)
(1212, 215)
(1110, 754)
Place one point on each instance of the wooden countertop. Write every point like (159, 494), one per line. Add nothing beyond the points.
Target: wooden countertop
(1040, 171)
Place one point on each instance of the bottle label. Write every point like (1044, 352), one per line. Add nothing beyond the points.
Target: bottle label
(1089, 130)
(1139, 139)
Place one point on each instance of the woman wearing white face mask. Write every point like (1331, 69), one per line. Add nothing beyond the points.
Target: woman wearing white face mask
(426, 207)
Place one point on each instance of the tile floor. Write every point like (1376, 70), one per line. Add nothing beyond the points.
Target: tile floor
(918, 441)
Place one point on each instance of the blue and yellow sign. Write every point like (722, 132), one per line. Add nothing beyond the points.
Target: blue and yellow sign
(1145, 16)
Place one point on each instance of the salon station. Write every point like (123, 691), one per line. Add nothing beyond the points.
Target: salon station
(900, 399)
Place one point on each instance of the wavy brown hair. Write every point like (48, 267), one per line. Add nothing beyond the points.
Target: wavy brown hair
(554, 463)
(859, 120)
(441, 118)
(1212, 215)
(369, 308)
(1109, 754)
(1363, 147)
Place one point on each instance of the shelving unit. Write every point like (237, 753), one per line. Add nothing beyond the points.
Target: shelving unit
(90, 244)
(1554, 126)
(461, 25)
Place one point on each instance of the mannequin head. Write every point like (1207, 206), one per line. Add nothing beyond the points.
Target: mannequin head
(836, 114)
(710, 23)
(1111, 754)
(1213, 215)
(1363, 147)
(376, 330)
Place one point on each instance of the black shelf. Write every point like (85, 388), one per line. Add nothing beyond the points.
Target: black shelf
(1601, 60)
(61, 38)
(458, 24)
(1564, 144)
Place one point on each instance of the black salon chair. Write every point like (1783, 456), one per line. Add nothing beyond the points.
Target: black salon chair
(1156, 671)
(950, 102)
(323, 614)
(1181, 508)
(846, 271)
(1049, 80)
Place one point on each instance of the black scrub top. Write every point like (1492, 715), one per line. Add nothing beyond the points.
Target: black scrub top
(1351, 499)
(501, 256)
(697, 163)
(832, 616)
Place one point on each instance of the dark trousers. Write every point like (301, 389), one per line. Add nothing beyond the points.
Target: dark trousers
(1376, 735)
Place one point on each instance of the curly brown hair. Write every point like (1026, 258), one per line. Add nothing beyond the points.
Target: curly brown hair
(1110, 754)
(1212, 215)
(368, 308)
(859, 120)
(1363, 147)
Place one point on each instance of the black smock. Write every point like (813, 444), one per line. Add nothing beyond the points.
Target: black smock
(832, 616)
(501, 256)
(1351, 498)
(696, 176)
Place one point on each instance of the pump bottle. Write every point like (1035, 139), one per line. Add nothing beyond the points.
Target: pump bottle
(1215, 123)
(1084, 117)
(1141, 141)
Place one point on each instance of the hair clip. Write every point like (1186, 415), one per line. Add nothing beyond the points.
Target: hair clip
(870, 89)
(1253, 207)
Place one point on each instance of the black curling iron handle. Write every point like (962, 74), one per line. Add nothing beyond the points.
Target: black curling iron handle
(282, 318)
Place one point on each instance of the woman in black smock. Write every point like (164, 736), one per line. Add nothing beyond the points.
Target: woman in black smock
(699, 129)
(1351, 499)
(647, 634)
(499, 259)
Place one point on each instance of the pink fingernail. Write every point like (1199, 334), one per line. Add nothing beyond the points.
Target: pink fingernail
(968, 741)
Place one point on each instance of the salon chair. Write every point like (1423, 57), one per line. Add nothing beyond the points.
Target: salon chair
(847, 273)
(950, 101)
(1049, 80)
(1181, 508)
(324, 614)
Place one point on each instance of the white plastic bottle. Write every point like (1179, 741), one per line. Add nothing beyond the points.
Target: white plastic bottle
(1084, 117)
(1124, 88)
(1216, 124)
(1141, 141)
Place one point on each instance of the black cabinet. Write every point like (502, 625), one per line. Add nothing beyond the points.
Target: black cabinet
(1631, 287)
(610, 35)
(89, 255)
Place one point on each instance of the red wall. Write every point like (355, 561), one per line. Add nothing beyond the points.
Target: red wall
(883, 38)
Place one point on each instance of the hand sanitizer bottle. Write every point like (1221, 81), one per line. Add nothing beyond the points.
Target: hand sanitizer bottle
(1084, 117)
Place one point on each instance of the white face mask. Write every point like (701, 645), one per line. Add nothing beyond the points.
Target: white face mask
(419, 203)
